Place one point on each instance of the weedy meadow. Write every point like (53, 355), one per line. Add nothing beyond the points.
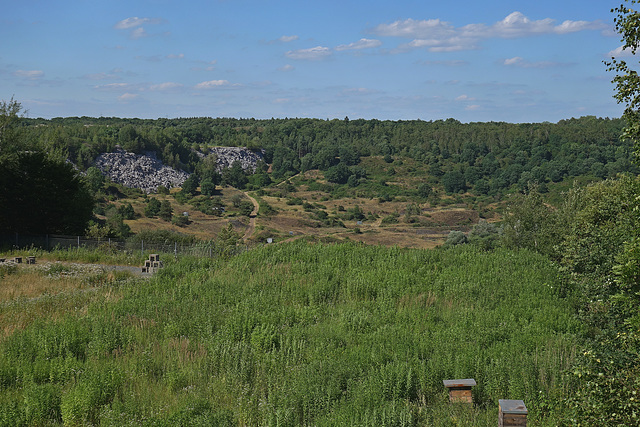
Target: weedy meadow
(294, 334)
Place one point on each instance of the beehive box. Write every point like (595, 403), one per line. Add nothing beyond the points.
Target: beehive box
(460, 390)
(152, 264)
(511, 413)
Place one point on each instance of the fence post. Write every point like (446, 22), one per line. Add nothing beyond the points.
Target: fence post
(175, 250)
(78, 242)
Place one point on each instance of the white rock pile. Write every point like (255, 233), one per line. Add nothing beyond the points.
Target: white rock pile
(145, 172)
(227, 156)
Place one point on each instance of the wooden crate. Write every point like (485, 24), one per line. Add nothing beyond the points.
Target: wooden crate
(512, 413)
(460, 390)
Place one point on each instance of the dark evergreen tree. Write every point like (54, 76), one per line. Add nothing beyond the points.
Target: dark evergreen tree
(40, 195)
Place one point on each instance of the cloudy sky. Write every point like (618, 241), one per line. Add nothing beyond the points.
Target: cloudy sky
(515, 61)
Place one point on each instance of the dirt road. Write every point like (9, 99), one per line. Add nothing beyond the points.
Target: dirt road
(252, 218)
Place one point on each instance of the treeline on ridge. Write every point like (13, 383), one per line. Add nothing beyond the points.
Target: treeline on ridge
(486, 158)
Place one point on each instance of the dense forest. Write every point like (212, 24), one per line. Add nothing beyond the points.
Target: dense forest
(486, 158)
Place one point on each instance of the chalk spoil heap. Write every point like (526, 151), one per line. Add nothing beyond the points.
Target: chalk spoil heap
(227, 156)
(143, 171)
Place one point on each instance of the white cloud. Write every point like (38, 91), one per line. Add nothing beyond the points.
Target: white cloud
(314, 53)
(574, 26)
(287, 67)
(287, 39)
(465, 98)
(411, 28)
(214, 84)
(165, 86)
(114, 87)
(520, 62)
(29, 74)
(441, 36)
(620, 52)
(360, 44)
(453, 44)
(135, 24)
(513, 61)
(138, 33)
(472, 107)
(128, 97)
(517, 24)
(175, 56)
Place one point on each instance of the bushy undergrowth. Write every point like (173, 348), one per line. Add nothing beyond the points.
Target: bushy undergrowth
(302, 334)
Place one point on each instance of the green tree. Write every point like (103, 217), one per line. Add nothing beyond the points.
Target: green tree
(227, 241)
(627, 81)
(424, 190)
(94, 178)
(339, 173)
(116, 226)
(454, 181)
(10, 114)
(190, 185)
(166, 211)
(126, 211)
(605, 254)
(455, 238)
(235, 176)
(207, 169)
(246, 207)
(153, 207)
(485, 235)
(207, 187)
(530, 223)
(41, 195)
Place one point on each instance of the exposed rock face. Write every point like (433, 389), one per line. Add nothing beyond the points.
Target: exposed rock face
(147, 173)
(139, 171)
(227, 156)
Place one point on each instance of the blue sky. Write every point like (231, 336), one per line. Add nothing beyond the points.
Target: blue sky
(514, 61)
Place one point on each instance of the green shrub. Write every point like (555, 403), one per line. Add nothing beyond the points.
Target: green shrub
(455, 238)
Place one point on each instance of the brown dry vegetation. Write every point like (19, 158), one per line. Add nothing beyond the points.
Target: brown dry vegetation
(30, 284)
(429, 229)
(35, 292)
(290, 221)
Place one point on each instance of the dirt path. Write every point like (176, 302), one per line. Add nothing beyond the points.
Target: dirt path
(252, 218)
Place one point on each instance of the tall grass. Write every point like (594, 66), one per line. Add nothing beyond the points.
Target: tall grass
(98, 255)
(302, 334)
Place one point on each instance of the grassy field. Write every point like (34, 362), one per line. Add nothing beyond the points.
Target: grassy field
(289, 334)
